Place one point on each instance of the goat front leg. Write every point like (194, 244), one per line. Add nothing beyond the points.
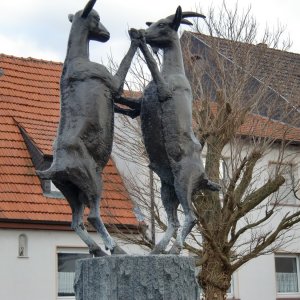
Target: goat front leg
(132, 113)
(133, 104)
(130, 102)
(125, 65)
(164, 93)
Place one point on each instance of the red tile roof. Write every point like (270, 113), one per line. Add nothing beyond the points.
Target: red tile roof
(29, 97)
(263, 127)
(258, 126)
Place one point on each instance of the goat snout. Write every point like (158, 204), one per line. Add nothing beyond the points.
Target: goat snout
(105, 36)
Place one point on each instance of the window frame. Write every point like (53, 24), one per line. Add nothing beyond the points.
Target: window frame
(66, 250)
(283, 295)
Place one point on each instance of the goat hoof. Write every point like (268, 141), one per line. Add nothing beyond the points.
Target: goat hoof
(156, 251)
(175, 250)
(98, 252)
(212, 186)
(117, 250)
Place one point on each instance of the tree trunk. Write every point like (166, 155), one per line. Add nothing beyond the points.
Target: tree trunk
(214, 278)
(213, 293)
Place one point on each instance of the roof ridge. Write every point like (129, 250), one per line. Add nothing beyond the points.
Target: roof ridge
(29, 58)
(241, 42)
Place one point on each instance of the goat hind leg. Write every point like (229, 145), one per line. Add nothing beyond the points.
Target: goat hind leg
(184, 186)
(95, 219)
(170, 202)
(79, 228)
(72, 192)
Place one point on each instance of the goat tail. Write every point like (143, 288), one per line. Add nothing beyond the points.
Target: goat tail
(210, 185)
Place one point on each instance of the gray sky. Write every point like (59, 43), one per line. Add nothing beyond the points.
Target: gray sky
(40, 28)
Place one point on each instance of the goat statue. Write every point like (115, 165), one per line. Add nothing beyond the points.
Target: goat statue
(84, 139)
(166, 120)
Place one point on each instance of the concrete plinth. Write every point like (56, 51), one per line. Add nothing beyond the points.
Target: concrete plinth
(124, 277)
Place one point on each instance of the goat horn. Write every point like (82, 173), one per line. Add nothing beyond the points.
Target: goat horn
(188, 14)
(89, 6)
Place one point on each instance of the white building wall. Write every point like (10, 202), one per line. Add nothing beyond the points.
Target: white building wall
(35, 277)
(256, 279)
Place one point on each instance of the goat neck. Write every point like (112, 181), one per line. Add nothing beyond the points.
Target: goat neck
(172, 59)
(78, 44)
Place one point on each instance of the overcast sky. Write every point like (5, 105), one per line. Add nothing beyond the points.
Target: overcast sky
(40, 28)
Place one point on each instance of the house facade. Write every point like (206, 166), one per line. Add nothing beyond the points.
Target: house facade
(276, 274)
(269, 81)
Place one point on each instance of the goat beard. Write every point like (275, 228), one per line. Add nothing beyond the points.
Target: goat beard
(155, 49)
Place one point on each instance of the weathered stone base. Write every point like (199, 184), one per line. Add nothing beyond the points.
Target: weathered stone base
(124, 277)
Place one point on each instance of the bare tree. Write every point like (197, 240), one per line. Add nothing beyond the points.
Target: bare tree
(244, 120)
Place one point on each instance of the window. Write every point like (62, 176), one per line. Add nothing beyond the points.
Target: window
(50, 190)
(285, 192)
(287, 273)
(66, 272)
(53, 188)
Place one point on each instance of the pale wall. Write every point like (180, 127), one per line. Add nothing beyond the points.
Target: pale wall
(34, 278)
(256, 279)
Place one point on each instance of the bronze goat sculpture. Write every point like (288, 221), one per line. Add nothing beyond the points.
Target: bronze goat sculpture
(84, 140)
(166, 120)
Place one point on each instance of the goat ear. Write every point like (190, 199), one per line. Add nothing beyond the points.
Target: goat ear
(177, 18)
(186, 22)
(155, 49)
(70, 17)
(89, 6)
(149, 23)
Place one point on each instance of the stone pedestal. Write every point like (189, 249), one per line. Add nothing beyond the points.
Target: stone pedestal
(124, 277)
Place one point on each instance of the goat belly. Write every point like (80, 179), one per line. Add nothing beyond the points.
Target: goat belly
(151, 124)
(87, 122)
(173, 137)
(84, 140)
